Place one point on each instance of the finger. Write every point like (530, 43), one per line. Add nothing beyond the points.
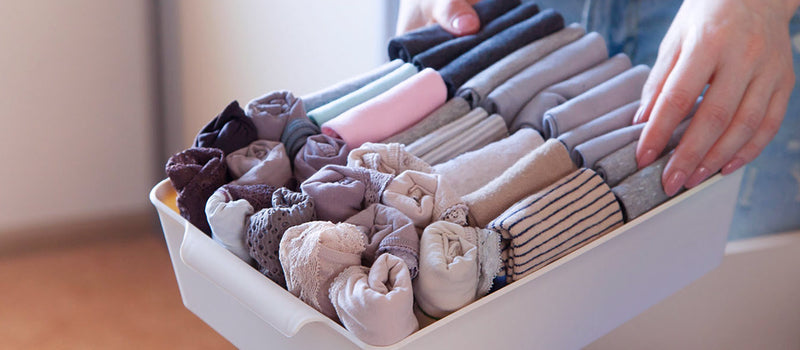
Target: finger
(668, 53)
(456, 16)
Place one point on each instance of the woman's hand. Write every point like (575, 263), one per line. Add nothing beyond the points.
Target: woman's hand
(742, 49)
(455, 16)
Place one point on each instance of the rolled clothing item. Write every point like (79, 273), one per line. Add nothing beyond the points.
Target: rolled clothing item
(195, 174)
(326, 112)
(536, 170)
(313, 254)
(555, 221)
(532, 113)
(228, 219)
(642, 191)
(329, 94)
(589, 152)
(259, 196)
(340, 192)
(453, 129)
(481, 134)
(452, 109)
(573, 58)
(408, 45)
(493, 49)
(440, 55)
(389, 158)
(319, 151)
(266, 227)
(477, 88)
(296, 134)
(599, 100)
(464, 177)
(616, 119)
(424, 198)
(390, 112)
(261, 162)
(387, 231)
(273, 111)
(376, 303)
(228, 131)
(457, 265)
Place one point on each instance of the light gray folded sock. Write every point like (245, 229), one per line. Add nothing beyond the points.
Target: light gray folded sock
(428, 142)
(616, 119)
(642, 191)
(599, 100)
(532, 113)
(486, 131)
(324, 96)
(453, 109)
(588, 153)
(478, 87)
(472, 170)
(575, 57)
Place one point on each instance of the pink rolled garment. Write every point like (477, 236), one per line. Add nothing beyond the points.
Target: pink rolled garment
(390, 112)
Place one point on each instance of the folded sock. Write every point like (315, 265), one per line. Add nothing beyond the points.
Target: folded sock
(442, 54)
(227, 219)
(575, 57)
(319, 151)
(477, 88)
(228, 131)
(322, 97)
(340, 192)
(296, 134)
(389, 158)
(424, 198)
(261, 162)
(272, 112)
(555, 221)
(588, 153)
(326, 112)
(196, 173)
(376, 304)
(493, 49)
(642, 191)
(532, 113)
(472, 170)
(483, 133)
(536, 170)
(446, 113)
(388, 231)
(616, 119)
(599, 100)
(266, 227)
(390, 112)
(428, 142)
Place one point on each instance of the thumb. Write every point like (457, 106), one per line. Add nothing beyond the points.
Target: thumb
(456, 16)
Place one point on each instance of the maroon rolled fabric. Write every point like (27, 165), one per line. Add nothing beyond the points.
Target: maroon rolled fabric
(196, 173)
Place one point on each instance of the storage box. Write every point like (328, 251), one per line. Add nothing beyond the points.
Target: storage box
(566, 305)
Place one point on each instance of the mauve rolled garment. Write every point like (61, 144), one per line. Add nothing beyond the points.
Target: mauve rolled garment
(532, 113)
(472, 170)
(446, 132)
(261, 162)
(322, 97)
(478, 87)
(408, 45)
(493, 49)
(196, 173)
(331, 110)
(536, 170)
(319, 151)
(271, 113)
(575, 57)
(599, 100)
(296, 134)
(390, 112)
(452, 109)
(389, 158)
(424, 198)
(387, 231)
(588, 153)
(481, 134)
(642, 191)
(340, 192)
(228, 131)
(616, 119)
(442, 54)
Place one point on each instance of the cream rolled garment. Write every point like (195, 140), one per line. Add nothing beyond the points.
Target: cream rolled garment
(424, 198)
(441, 135)
(388, 231)
(481, 134)
(228, 219)
(261, 162)
(391, 158)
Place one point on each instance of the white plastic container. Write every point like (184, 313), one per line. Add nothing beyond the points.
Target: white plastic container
(566, 305)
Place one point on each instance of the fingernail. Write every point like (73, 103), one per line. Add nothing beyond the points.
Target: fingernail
(638, 117)
(697, 177)
(463, 23)
(674, 183)
(648, 157)
(732, 166)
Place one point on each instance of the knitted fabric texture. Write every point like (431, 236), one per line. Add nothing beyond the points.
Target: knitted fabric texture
(266, 228)
(481, 134)
(228, 219)
(389, 158)
(262, 162)
(319, 151)
(448, 112)
(388, 231)
(313, 254)
(642, 191)
(228, 131)
(555, 221)
(340, 192)
(259, 196)
(446, 132)
(273, 111)
(296, 134)
(326, 95)
(425, 198)
(196, 173)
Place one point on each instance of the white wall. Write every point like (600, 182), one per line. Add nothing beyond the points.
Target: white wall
(75, 84)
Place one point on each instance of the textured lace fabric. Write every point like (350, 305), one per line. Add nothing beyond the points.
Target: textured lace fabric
(389, 158)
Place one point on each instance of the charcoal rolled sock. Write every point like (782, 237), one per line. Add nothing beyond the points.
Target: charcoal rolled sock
(296, 133)
(332, 93)
(493, 49)
(588, 153)
(196, 173)
(442, 54)
(228, 131)
(448, 112)
(642, 191)
(616, 119)
(270, 113)
(444, 133)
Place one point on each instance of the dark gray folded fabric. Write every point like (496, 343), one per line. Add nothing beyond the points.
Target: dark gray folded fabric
(599, 100)
(448, 112)
(532, 113)
(228, 131)
(575, 57)
(616, 119)
(442, 54)
(493, 49)
(408, 45)
(588, 153)
(642, 191)
(296, 133)
(326, 95)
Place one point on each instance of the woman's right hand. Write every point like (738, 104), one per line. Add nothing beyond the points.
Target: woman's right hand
(455, 16)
